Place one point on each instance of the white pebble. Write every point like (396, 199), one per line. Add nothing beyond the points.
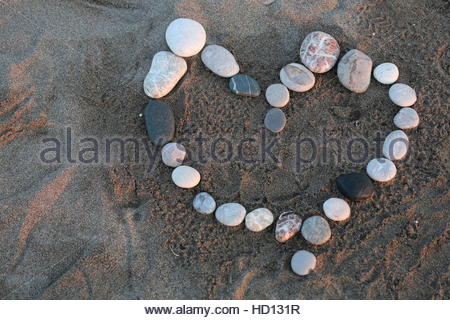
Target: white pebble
(316, 230)
(204, 203)
(386, 73)
(402, 95)
(381, 169)
(220, 61)
(185, 37)
(185, 177)
(395, 146)
(297, 77)
(406, 118)
(231, 214)
(303, 262)
(259, 219)
(336, 209)
(173, 154)
(277, 95)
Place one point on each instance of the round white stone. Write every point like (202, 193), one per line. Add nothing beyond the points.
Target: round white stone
(277, 95)
(259, 219)
(185, 37)
(395, 146)
(336, 209)
(297, 77)
(402, 95)
(185, 177)
(406, 118)
(316, 230)
(386, 73)
(303, 262)
(381, 169)
(220, 61)
(173, 154)
(231, 214)
(204, 203)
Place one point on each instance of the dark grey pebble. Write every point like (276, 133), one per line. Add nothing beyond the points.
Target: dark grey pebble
(244, 85)
(355, 185)
(159, 122)
(275, 120)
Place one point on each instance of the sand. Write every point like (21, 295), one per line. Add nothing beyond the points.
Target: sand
(124, 231)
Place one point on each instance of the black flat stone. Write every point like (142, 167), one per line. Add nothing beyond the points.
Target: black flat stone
(244, 85)
(355, 185)
(159, 121)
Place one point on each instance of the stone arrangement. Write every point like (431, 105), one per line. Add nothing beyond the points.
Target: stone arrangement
(319, 52)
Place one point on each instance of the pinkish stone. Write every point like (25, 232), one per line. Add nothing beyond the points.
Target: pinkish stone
(288, 225)
(319, 51)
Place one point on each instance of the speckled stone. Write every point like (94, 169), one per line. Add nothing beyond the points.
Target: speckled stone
(277, 95)
(173, 154)
(185, 177)
(336, 209)
(355, 185)
(204, 203)
(381, 169)
(159, 121)
(165, 72)
(316, 230)
(354, 71)
(231, 214)
(395, 145)
(258, 219)
(406, 118)
(288, 225)
(185, 37)
(220, 61)
(319, 51)
(386, 73)
(275, 120)
(244, 85)
(402, 95)
(303, 262)
(297, 77)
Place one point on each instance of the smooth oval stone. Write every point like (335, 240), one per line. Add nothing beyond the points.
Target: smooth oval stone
(319, 51)
(316, 230)
(173, 154)
(277, 95)
(244, 85)
(185, 37)
(288, 225)
(275, 120)
(395, 146)
(336, 209)
(159, 122)
(220, 61)
(402, 95)
(354, 71)
(204, 203)
(258, 219)
(303, 262)
(297, 77)
(165, 72)
(406, 118)
(355, 186)
(230, 214)
(185, 177)
(381, 169)
(386, 73)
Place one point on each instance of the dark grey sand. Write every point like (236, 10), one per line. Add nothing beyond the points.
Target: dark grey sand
(122, 231)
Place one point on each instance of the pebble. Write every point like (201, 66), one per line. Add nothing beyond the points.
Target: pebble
(204, 203)
(220, 61)
(288, 225)
(303, 262)
(406, 118)
(381, 169)
(275, 120)
(316, 230)
(354, 71)
(355, 186)
(395, 145)
(244, 85)
(319, 51)
(230, 214)
(185, 177)
(386, 73)
(173, 154)
(159, 121)
(336, 209)
(185, 37)
(297, 77)
(258, 219)
(277, 95)
(402, 95)
(165, 72)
